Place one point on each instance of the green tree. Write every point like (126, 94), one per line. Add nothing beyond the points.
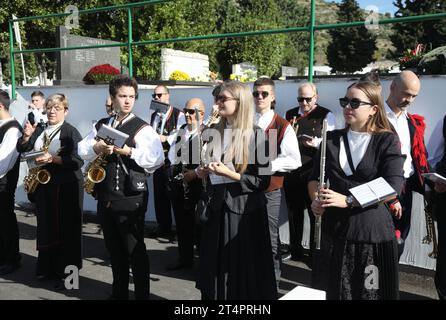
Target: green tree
(265, 51)
(408, 35)
(350, 49)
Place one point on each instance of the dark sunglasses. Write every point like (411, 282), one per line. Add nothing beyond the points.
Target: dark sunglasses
(264, 94)
(159, 95)
(302, 99)
(190, 111)
(354, 103)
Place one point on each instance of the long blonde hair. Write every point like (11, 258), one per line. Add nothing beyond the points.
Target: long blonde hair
(378, 122)
(242, 128)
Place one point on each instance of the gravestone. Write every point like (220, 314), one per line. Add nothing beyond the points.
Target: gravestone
(72, 65)
(196, 65)
(244, 68)
(289, 71)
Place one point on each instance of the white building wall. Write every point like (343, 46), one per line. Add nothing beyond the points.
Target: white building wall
(87, 105)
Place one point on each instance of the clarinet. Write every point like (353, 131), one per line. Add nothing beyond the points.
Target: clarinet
(200, 144)
(322, 185)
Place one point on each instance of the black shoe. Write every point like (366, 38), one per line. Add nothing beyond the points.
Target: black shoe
(9, 268)
(59, 285)
(179, 266)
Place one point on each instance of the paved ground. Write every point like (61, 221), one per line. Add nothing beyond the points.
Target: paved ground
(96, 277)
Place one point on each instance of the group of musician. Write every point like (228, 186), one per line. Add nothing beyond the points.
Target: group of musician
(223, 178)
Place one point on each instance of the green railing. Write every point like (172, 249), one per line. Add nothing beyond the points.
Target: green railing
(312, 28)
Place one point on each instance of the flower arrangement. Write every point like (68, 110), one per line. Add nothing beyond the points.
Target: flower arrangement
(412, 57)
(247, 76)
(179, 75)
(102, 73)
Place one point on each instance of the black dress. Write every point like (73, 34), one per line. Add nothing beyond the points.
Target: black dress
(59, 207)
(358, 257)
(235, 251)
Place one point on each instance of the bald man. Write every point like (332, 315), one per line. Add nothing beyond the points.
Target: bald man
(184, 185)
(410, 129)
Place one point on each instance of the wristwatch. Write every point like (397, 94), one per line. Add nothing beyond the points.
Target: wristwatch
(349, 201)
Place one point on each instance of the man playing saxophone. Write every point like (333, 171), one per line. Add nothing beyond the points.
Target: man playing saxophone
(59, 202)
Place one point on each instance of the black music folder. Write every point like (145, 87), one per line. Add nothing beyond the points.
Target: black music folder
(435, 177)
(159, 106)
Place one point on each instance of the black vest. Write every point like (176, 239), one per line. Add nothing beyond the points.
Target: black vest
(171, 125)
(312, 126)
(115, 175)
(191, 146)
(9, 182)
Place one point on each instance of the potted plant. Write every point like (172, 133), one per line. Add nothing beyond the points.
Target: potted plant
(412, 58)
(99, 74)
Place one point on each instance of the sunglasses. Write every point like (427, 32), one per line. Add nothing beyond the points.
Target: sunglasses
(159, 95)
(190, 111)
(264, 94)
(224, 99)
(302, 99)
(354, 103)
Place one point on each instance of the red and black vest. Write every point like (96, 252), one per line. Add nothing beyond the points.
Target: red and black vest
(171, 125)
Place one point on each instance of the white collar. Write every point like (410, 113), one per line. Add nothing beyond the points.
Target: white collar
(390, 112)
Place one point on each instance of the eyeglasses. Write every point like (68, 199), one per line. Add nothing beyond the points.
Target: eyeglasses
(354, 103)
(190, 111)
(224, 99)
(159, 95)
(57, 108)
(302, 99)
(264, 94)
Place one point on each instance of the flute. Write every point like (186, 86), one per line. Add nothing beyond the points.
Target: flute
(318, 222)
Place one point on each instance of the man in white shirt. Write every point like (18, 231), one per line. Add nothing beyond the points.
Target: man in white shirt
(10, 132)
(37, 112)
(410, 129)
(288, 157)
(165, 125)
(306, 119)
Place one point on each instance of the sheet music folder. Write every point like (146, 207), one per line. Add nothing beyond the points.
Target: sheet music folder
(159, 106)
(373, 192)
(435, 177)
(112, 136)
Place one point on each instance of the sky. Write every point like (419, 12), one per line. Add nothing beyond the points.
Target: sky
(383, 5)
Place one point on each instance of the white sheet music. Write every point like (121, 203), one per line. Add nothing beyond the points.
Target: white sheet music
(215, 179)
(373, 192)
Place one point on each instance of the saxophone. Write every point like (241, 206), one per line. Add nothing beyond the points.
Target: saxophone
(37, 175)
(94, 173)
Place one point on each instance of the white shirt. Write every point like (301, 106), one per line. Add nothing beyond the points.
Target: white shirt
(331, 125)
(436, 144)
(172, 154)
(38, 116)
(147, 153)
(289, 157)
(358, 143)
(8, 151)
(401, 126)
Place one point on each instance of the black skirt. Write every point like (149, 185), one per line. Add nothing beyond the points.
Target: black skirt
(59, 227)
(349, 270)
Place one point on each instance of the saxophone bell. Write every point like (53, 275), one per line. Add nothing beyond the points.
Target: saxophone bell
(43, 176)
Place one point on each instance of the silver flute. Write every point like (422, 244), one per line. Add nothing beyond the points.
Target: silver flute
(322, 185)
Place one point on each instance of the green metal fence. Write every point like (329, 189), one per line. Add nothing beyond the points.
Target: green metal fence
(311, 29)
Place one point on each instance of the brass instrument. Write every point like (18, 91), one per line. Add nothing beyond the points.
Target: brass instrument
(37, 175)
(322, 184)
(213, 119)
(431, 234)
(94, 173)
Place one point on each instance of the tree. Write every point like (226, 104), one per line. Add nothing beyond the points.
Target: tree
(350, 49)
(408, 35)
(264, 51)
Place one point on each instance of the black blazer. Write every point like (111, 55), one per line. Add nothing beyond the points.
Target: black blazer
(70, 170)
(382, 159)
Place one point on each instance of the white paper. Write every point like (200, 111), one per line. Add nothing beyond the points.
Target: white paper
(304, 293)
(372, 192)
(435, 177)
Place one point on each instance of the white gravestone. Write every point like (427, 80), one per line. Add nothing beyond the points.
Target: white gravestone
(196, 65)
(243, 68)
